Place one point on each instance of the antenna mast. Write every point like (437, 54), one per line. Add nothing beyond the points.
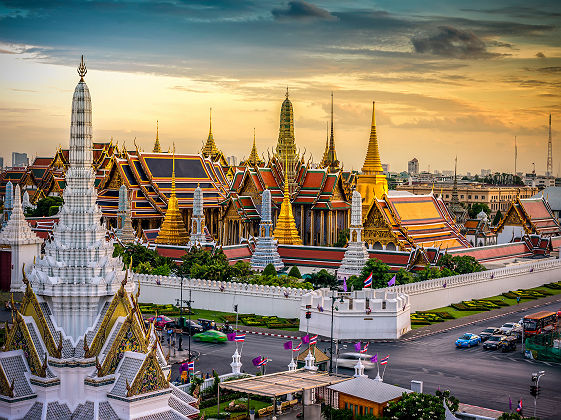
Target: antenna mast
(549, 152)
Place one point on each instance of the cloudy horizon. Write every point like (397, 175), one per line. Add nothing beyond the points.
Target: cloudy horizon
(447, 79)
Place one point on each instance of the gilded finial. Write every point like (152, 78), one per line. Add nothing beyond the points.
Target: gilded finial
(287, 92)
(210, 121)
(82, 70)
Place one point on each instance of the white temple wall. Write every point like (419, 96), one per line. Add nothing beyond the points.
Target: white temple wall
(432, 294)
(22, 254)
(506, 235)
(388, 316)
(222, 296)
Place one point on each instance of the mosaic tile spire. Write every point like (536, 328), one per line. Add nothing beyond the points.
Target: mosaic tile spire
(78, 271)
(125, 231)
(266, 248)
(198, 220)
(8, 202)
(356, 254)
(286, 145)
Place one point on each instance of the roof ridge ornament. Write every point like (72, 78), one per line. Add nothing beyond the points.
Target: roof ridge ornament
(82, 70)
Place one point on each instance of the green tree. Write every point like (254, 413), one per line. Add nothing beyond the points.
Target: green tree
(322, 279)
(417, 406)
(48, 206)
(459, 264)
(476, 208)
(380, 274)
(270, 270)
(403, 277)
(294, 272)
(342, 238)
(497, 218)
(241, 270)
(429, 273)
(162, 270)
(143, 268)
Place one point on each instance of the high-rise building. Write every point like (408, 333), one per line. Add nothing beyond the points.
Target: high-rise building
(413, 166)
(1, 162)
(19, 159)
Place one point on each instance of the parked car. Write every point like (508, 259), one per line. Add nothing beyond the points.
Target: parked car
(508, 344)
(349, 360)
(488, 332)
(510, 327)
(211, 336)
(493, 342)
(468, 340)
(162, 321)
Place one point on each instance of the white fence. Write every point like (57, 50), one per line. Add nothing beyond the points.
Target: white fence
(222, 296)
(436, 293)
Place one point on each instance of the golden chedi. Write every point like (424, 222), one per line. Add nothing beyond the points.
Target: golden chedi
(173, 230)
(285, 231)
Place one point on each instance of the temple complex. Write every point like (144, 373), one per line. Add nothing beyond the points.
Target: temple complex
(78, 347)
(266, 252)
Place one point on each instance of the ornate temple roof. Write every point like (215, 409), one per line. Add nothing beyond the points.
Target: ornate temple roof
(415, 221)
(533, 214)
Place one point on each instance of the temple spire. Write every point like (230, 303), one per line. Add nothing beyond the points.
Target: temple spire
(332, 161)
(372, 162)
(173, 230)
(286, 231)
(157, 148)
(82, 70)
(254, 159)
(286, 145)
(324, 161)
(210, 149)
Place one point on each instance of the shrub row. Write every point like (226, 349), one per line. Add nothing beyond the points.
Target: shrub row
(554, 286)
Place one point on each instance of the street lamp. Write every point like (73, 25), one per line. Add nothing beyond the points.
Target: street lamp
(333, 299)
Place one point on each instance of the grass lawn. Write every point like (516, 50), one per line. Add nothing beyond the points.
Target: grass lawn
(212, 411)
(460, 314)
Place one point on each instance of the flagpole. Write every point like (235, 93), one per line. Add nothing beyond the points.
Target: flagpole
(384, 372)
(377, 365)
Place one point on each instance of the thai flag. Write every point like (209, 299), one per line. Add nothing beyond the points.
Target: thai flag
(368, 281)
(239, 338)
(313, 339)
(519, 408)
(297, 348)
(191, 366)
(384, 361)
(263, 362)
(365, 349)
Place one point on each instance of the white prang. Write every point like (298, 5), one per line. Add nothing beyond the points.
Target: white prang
(8, 202)
(266, 248)
(78, 273)
(356, 254)
(24, 244)
(198, 236)
(26, 202)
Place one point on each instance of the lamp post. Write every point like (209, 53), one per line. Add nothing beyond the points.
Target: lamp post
(188, 302)
(333, 299)
(535, 389)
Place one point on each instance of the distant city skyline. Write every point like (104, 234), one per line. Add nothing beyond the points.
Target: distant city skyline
(447, 80)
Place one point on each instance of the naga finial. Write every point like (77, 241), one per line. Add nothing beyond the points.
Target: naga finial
(82, 70)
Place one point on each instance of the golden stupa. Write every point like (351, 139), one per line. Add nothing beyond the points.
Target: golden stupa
(173, 230)
(157, 148)
(209, 149)
(372, 182)
(285, 231)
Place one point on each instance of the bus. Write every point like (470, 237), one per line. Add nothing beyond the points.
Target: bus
(540, 322)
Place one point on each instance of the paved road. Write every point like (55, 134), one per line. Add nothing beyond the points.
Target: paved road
(474, 376)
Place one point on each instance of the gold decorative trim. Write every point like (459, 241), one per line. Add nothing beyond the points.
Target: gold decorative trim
(30, 352)
(6, 388)
(150, 376)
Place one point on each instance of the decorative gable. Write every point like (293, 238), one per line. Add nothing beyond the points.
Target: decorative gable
(149, 378)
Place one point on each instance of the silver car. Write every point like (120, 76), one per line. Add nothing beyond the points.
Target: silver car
(509, 328)
(349, 360)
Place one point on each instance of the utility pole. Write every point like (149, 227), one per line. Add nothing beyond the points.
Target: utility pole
(188, 302)
(549, 152)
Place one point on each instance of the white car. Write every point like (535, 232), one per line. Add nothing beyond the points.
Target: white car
(349, 360)
(509, 328)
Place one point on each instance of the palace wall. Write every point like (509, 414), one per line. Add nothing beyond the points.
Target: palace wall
(222, 296)
(436, 293)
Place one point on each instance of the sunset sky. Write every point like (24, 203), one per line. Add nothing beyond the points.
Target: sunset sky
(449, 77)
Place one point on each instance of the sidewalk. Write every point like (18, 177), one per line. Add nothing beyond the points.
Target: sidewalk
(471, 319)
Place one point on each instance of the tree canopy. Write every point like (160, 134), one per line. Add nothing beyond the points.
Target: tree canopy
(476, 208)
(48, 206)
(421, 406)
